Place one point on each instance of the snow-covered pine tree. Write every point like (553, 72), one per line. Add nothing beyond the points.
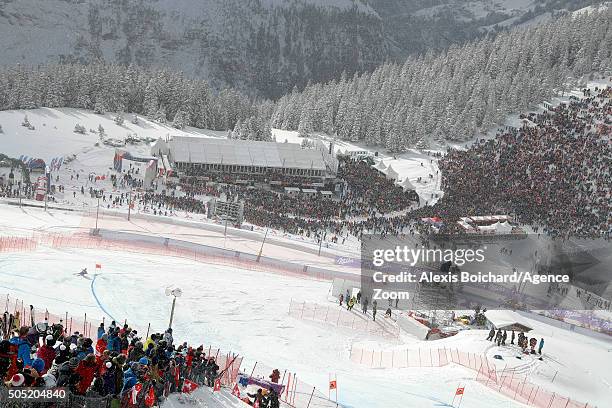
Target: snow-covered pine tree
(119, 119)
(79, 129)
(181, 119)
(160, 115)
(100, 107)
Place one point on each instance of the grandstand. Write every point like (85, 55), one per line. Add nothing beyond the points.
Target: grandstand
(246, 159)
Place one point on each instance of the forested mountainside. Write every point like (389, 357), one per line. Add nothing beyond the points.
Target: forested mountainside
(262, 47)
(453, 94)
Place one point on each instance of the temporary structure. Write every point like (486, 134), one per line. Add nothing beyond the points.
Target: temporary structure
(406, 185)
(392, 174)
(381, 166)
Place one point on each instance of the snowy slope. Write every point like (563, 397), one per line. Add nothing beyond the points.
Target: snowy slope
(54, 134)
(241, 311)
(246, 312)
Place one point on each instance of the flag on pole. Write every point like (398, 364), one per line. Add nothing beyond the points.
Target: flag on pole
(217, 385)
(459, 390)
(98, 266)
(189, 386)
(332, 385)
(135, 390)
(236, 391)
(177, 376)
(150, 398)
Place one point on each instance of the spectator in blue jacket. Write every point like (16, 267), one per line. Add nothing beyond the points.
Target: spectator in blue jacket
(114, 342)
(101, 330)
(129, 378)
(23, 347)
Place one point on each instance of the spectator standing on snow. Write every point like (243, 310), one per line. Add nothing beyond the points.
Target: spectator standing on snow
(541, 346)
(275, 376)
(341, 298)
(23, 347)
(491, 334)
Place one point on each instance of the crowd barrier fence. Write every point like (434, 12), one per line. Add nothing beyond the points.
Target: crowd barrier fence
(339, 316)
(506, 381)
(155, 245)
(17, 244)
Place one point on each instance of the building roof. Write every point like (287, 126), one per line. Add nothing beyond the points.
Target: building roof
(244, 153)
(507, 320)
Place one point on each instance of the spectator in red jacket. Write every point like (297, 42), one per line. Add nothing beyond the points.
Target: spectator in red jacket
(86, 371)
(47, 353)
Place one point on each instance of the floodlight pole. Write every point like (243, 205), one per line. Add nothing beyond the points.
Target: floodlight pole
(172, 312)
(262, 245)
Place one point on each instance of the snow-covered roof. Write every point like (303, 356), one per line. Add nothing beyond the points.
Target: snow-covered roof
(507, 320)
(244, 153)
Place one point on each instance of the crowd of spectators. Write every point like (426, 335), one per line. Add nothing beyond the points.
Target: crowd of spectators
(554, 173)
(113, 365)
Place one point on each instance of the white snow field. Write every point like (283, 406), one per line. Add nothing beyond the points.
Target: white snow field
(247, 312)
(238, 310)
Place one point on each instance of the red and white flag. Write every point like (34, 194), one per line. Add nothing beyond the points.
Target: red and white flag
(236, 391)
(150, 398)
(460, 391)
(217, 385)
(189, 386)
(332, 385)
(98, 266)
(135, 390)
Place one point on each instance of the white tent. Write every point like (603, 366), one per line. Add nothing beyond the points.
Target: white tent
(504, 227)
(407, 185)
(497, 228)
(392, 174)
(380, 166)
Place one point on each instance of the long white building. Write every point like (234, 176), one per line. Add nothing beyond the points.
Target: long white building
(201, 156)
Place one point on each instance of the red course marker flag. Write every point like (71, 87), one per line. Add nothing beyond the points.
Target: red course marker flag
(459, 391)
(98, 266)
(217, 385)
(236, 391)
(332, 385)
